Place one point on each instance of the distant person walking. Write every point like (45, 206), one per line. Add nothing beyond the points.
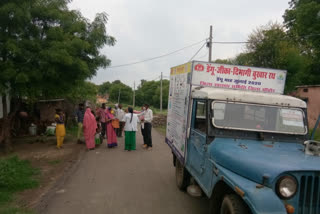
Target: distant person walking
(120, 115)
(130, 129)
(101, 113)
(147, 123)
(60, 128)
(89, 129)
(111, 134)
(79, 117)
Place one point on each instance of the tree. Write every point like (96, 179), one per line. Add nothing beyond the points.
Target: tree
(269, 46)
(83, 92)
(165, 94)
(104, 88)
(303, 22)
(126, 92)
(224, 61)
(46, 50)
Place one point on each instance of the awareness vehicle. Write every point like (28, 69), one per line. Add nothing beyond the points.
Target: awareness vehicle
(233, 132)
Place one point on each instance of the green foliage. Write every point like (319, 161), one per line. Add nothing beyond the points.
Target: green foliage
(224, 61)
(14, 210)
(15, 175)
(270, 46)
(303, 22)
(104, 88)
(149, 92)
(126, 92)
(46, 49)
(83, 91)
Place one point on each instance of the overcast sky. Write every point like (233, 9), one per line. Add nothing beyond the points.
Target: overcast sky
(149, 28)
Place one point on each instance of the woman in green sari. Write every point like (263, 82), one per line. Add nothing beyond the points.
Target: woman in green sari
(130, 129)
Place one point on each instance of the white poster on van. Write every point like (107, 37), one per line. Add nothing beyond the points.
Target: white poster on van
(178, 101)
(238, 77)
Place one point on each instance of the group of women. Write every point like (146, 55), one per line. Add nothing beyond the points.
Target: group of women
(91, 127)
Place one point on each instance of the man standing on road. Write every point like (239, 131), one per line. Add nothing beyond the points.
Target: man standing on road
(120, 116)
(101, 113)
(79, 117)
(148, 117)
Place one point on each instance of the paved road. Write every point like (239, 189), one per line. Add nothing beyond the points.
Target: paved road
(114, 181)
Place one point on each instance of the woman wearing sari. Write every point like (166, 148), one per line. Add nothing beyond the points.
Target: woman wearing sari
(111, 134)
(89, 129)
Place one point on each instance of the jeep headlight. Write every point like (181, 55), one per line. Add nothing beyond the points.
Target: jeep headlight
(286, 187)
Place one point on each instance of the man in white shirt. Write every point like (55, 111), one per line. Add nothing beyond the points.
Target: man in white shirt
(120, 115)
(148, 117)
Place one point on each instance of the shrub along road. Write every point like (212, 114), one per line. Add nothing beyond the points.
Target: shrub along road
(115, 181)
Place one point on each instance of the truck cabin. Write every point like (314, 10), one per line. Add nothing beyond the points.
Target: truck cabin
(248, 115)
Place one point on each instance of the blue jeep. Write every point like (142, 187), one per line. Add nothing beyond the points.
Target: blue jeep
(249, 152)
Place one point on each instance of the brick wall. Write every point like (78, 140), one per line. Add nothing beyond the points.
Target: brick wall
(312, 94)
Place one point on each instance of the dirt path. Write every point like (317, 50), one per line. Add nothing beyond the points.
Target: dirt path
(115, 181)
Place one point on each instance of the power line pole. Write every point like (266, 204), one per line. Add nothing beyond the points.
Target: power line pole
(134, 93)
(210, 43)
(161, 93)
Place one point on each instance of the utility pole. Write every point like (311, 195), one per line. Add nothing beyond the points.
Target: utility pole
(161, 93)
(119, 95)
(210, 44)
(134, 93)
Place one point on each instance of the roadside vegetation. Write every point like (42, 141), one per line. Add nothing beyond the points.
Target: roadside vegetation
(16, 175)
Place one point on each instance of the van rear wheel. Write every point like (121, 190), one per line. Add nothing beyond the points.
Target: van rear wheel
(233, 204)
(182, 176)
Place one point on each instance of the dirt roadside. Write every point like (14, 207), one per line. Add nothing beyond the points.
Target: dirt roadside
(54, 166)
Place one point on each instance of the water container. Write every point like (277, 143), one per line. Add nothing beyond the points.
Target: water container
(50, 130)
(33, 130)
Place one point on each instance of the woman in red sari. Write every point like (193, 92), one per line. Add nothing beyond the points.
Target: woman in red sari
(89, 129)
(111, 134)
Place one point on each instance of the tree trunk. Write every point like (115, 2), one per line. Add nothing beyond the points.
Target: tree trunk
(4, 104)
(8, 124)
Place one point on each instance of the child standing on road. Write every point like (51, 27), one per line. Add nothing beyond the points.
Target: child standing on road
(98, 136)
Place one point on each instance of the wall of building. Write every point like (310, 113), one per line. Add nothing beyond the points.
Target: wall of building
(313, 96)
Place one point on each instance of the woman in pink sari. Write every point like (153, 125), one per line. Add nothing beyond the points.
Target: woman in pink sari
(111, 134)
(89, 128)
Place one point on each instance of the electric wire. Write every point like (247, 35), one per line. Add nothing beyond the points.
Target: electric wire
(198, 51)
(157, 57)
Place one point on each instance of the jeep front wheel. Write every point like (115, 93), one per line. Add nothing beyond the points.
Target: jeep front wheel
(233, 204)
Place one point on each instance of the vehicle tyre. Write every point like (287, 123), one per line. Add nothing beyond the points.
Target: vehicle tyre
(182, 176)
(233, 204)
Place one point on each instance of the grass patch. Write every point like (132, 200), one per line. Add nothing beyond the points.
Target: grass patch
(15, 175)
(54, 162)
(10, 209)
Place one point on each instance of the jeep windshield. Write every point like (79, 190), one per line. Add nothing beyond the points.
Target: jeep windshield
(260, 118)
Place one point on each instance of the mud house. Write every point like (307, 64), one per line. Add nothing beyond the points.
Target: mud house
(311, 94)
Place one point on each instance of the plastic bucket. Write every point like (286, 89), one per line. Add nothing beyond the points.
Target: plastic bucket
(33, 130)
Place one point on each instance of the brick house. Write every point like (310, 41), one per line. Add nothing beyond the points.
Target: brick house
(310, 94)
